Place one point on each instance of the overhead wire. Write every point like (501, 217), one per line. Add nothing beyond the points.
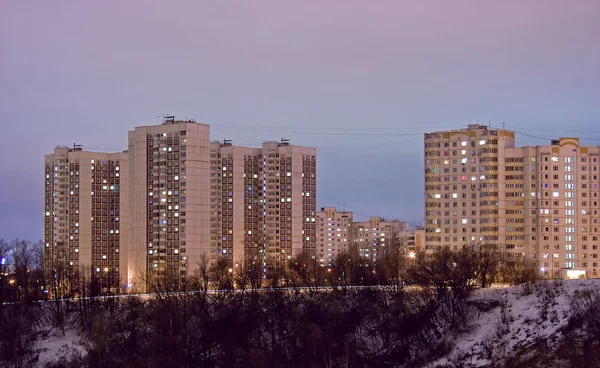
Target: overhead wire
(338, 133)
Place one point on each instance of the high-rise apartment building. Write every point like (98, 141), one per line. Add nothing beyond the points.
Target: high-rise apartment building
(174, 200)
(85, 210)
(537, 202)
(263, 201)
(377, 232)
(168, 199)
(336, 231)
(334, 234)
(463, 203)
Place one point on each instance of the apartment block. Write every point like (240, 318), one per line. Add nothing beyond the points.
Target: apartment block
(539, 202)
(174, 200)
(377, 232)
(263, 201)
(85, 208)
(415, 239)
(169, 200)
(462, 196)
(334, 234)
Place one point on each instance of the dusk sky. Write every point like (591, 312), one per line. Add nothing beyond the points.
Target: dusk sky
(380, 72)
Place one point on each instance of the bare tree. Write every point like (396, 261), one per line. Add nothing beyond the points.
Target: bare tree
(391, 262)
(305, 271)
(222, 274)
(28, 275)
(520, 270)
(5, 290)
(489, 261)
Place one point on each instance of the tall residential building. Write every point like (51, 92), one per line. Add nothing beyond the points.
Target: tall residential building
(174, 200)
(85, 208)
(537, 202)
(334, 234)
(375, 233)
(463, 201)
(169, 199)
(263, 201)
(236, 181)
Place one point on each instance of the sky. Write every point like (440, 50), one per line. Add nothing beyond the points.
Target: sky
(360, 80)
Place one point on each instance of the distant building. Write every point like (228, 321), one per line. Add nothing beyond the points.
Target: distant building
(337, 231)
(537, 202)
(334, 234)
(371, 235)
(415, 239)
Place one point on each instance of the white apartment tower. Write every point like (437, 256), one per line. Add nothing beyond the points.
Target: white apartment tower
(169, 199)
(263, 202)
(537, 202)
(174, 200)
(85, 208)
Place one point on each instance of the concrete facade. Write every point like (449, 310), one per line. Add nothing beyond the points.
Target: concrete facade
(169, 199)
(334, 234)
(263, 202)
(537, 202)
(85, 213)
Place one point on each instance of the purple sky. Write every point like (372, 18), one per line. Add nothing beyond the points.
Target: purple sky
(87, 72)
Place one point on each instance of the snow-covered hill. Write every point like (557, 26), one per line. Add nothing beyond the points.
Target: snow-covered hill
(516, 324)
(530, 325)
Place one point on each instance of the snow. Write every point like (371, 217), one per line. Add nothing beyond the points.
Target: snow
(53, 346)
(501, 321)
(519, 317)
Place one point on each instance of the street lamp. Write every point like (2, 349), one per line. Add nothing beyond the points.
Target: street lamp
(412, 256)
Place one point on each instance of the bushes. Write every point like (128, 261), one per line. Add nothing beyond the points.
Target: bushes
(280, 328)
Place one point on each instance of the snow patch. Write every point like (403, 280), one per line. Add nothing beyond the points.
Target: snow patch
(505, 320)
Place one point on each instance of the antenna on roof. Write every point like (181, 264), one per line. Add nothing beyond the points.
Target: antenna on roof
(503, 125)
(168, 119)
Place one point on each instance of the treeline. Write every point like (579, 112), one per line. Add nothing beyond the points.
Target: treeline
(409, 315)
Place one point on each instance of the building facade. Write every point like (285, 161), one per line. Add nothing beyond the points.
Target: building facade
(377, 232)
(537, 202)
(334, 234)
(415, 239)
(263, 202)
(85, 212)
(169, 200)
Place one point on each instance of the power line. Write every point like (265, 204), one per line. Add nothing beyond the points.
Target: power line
(341, 133)
(547, 138)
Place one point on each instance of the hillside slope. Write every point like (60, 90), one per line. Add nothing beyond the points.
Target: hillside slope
(545, 324)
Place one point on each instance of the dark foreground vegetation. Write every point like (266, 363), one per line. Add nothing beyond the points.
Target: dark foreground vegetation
(293, 323)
